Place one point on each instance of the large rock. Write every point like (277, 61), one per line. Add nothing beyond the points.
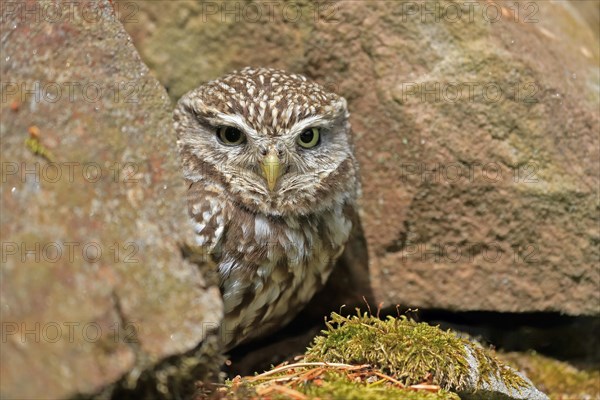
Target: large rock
(476, 129)
(94, 288)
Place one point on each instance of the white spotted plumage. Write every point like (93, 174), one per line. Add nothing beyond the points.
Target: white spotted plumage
(274, 247)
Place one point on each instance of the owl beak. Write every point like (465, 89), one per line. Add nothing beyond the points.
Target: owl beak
(270, 168)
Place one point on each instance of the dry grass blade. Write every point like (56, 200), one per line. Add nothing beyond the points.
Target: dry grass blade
(427, 387)
(266, 375)
(294, 394)
(389, 378)
(312, 374)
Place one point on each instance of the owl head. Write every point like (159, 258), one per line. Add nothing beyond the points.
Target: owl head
(276, 143)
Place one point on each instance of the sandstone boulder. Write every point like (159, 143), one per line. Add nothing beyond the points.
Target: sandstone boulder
(476, 127)
(94, 287)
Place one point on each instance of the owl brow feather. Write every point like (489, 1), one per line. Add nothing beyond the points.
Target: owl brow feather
(310, 122)
(235, 120)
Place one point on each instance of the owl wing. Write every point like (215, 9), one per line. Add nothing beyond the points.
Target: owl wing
(206, 208)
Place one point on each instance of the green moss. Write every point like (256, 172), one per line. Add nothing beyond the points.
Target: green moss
(37, 148)
(364, 357)
(411, 352)
(331, 385)
(560, 380)
(336, 386)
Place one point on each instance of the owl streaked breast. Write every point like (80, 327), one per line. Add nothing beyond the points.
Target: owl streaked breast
(273, 184)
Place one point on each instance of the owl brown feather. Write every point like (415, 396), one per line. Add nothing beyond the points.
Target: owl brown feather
(274, 247)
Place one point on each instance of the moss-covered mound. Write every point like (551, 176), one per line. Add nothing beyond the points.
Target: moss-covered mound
(364, 357)
(411, 352)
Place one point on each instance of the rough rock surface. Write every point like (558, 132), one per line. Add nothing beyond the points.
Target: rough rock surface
(476, 129)
(496, 389)
(93, 284)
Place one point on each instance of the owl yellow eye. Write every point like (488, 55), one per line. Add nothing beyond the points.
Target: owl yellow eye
(309, 138)
(230, 136)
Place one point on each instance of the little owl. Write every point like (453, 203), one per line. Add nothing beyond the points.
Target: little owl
(273, 183)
